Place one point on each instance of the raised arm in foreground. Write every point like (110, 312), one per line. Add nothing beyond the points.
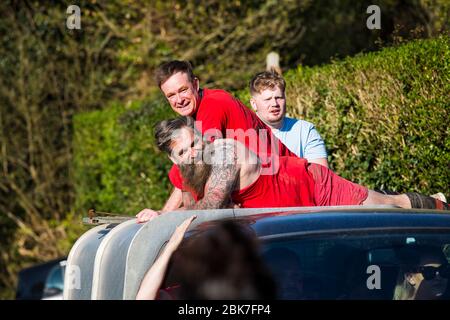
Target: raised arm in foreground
(155, 275)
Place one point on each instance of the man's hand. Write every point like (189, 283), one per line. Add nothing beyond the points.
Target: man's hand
(178, 234)
(146, 215)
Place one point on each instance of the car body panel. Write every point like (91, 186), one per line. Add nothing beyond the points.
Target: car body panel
(140, 244)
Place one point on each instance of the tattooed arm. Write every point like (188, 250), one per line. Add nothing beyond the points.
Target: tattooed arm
(223, 178)
(188, 200)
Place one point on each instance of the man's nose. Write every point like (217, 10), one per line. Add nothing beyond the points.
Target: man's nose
(194, 152)
(180, 99)
(197, 151)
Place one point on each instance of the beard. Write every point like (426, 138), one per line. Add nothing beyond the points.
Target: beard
(195, 176)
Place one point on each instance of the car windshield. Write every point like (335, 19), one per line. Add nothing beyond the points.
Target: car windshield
(350, 266)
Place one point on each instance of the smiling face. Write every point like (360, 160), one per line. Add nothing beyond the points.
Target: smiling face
(270, 106)
(181, 93)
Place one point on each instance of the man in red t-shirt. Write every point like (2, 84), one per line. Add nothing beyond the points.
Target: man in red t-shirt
(217, 114)
(226, 171)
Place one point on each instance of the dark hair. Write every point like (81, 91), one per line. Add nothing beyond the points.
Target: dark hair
(164, 131)
(168, 69)
(413, 256)
(266, 80)
(410, 258)
(223, 263)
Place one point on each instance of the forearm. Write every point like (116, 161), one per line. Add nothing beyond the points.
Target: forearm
(209, 202)
(174, 202)
(154, 277)
(218, 189)
(224, 175)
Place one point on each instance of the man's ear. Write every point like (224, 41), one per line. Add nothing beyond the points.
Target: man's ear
(196, 84)
(253, 104)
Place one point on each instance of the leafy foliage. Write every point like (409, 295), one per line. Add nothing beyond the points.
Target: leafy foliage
(384, 116)
(117, 167)
(49, 74)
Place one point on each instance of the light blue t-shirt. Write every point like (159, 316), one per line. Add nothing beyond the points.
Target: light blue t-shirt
(302, 138)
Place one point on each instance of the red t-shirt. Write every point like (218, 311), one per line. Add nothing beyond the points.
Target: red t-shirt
(291, 186)
(219, 112)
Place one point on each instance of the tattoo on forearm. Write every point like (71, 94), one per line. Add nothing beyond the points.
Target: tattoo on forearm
(223, 178)
(188, 199)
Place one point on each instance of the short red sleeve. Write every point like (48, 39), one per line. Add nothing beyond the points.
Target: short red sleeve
(177, 181)
(175, 177)
(213, 118)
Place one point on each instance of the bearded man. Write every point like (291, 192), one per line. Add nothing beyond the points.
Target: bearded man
(225, 171)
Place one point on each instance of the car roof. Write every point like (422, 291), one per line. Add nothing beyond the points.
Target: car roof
(331, 220)
(131, 248)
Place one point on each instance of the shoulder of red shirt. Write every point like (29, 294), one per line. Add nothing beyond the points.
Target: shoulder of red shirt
(219, 97)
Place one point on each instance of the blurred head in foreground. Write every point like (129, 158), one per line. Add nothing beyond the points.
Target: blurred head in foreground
(223, 263)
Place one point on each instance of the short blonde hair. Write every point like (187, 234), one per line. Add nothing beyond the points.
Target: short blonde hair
(266, 80)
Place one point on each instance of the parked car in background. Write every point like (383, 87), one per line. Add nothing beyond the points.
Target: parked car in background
(54, 284)
(42, 281)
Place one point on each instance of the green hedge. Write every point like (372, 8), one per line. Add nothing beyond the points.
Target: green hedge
(117, 167)
(384, 117)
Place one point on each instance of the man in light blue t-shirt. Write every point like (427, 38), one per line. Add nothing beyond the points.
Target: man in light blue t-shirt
(269, 102)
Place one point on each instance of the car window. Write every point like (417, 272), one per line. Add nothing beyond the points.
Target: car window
(55, 281)
(343, 266)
